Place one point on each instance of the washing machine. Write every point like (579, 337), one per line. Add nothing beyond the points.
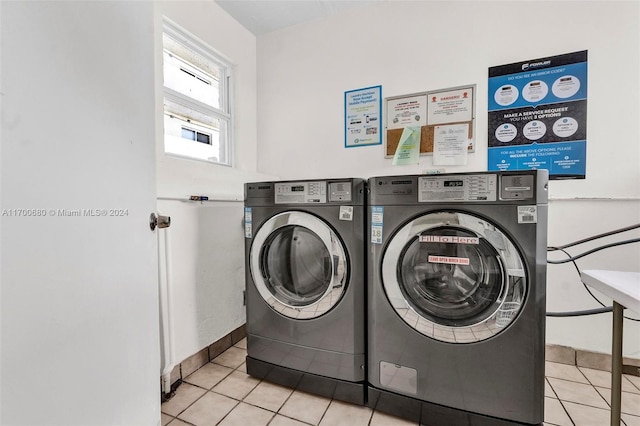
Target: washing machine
(456, 300)
(305, 285)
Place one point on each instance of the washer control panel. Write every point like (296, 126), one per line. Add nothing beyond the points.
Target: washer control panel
(436, 189)
(301, 192)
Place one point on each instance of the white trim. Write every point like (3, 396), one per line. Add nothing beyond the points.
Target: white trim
(194, 104)
(226, 110)
(194, 43)
(202, 160)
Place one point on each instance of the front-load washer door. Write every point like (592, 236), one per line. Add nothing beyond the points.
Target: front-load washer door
(454, 277)
(299, 265)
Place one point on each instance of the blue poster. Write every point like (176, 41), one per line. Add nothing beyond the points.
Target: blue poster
(363, 117)
(538, 116)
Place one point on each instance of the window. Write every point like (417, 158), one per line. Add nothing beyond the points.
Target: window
(197, 98)
(194, 135)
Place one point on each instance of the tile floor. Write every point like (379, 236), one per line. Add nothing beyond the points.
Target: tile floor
(221, 393)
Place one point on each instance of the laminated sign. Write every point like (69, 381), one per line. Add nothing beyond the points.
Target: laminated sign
(538, 115)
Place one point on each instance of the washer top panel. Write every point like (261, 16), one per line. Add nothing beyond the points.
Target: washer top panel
(308, 192)
(468, 188)
(526, 186)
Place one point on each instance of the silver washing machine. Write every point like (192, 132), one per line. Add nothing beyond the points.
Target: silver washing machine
(456, 300)
(305, 285)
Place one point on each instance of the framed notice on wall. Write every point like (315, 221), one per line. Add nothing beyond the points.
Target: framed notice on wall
(362, 117)
(444, 110)
(538, 115)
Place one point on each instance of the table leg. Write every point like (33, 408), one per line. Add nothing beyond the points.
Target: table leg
(616, 364)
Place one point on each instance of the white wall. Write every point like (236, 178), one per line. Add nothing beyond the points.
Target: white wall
(207, 239)
(207, 272)
(572, 220)
(415, 46)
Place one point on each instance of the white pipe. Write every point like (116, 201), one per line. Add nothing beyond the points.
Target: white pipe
(166, 317)
(216, 199)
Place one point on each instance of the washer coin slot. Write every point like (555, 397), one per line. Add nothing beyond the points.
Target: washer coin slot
(340, 191)
(516, 187)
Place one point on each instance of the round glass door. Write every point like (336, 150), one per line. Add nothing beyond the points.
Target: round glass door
(298, 265)
(454, 277)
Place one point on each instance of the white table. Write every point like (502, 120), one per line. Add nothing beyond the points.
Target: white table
(624, 289)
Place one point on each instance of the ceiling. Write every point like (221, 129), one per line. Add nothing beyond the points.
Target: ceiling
(263, 16)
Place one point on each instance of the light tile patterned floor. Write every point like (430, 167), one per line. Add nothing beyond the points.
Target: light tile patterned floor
(221, 393)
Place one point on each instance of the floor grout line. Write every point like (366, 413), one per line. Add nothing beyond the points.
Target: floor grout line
(567, 412)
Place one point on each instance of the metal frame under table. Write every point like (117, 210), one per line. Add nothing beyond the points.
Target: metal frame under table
(624, 289)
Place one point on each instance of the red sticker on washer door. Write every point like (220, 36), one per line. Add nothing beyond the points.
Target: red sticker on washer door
(449, 260)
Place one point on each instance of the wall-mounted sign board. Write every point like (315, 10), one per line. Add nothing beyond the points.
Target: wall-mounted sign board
(363, 117)
(538, 115)
(428, 110)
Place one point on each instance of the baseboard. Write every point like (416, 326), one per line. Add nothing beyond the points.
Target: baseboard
(582, 358)
(202, 357)
(554, 353)
(332, 388)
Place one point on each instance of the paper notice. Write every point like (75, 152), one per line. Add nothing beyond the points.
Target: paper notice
(408, 150)
(450, 145)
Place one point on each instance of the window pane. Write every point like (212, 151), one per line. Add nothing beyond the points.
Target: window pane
(188, 134)
(187, 78)
(207, 142)
(204, 138)
(187, 72)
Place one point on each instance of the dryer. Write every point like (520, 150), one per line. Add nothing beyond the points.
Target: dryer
(456, 300)
(305, 285)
